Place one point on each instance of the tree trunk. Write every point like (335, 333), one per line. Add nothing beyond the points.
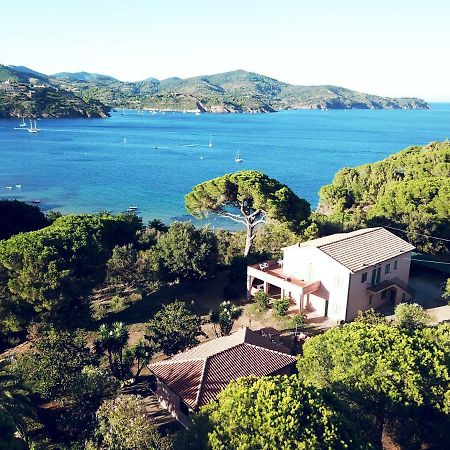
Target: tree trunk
(249, 239)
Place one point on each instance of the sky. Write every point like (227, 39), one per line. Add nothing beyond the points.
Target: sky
(384, 47)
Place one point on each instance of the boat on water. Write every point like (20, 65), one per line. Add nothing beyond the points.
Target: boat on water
(36, 201)
(18, 186)
(201, 157)
(238, 158)
(8, 187)
(33, 128)
(210, 141)
(132, 208)
(23, 123)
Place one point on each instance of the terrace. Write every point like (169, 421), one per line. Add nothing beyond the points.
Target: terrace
(269, 275)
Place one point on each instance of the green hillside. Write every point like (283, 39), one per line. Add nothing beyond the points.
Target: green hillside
(9, 74)
(409, 190)
(236, 91)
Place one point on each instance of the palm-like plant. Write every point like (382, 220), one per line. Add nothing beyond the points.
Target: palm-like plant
(14, 401)
(112, 340)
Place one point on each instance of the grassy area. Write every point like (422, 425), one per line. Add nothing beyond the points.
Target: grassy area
(201, 297)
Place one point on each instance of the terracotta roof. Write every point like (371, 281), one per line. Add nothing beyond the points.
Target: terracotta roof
(199, 374)
(183, 378)
(362, 248)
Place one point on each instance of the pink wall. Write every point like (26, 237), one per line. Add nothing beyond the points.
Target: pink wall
(358, 294)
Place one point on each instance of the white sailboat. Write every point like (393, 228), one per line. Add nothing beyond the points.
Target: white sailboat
(32, 129)
(238, 158)
(23, 123)
(210, 141)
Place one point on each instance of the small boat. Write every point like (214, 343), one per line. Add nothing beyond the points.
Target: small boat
(18, 186)
(32, 129)
(210, 141)
(201, 157)
(132, 208)
(8, 187)
(36, 201)
(23, 124)
(238, 158)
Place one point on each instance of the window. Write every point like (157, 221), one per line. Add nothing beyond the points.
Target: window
(395, 264)
(370, 300)
(387, 269)
(383, 294)
(374, 276)
(364, 277)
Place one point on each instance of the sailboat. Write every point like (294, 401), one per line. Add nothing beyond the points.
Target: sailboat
(238, 158)
(210, 141)
(23, 124)
(32, 129)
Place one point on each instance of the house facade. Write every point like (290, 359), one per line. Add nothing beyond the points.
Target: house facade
(193, 378)
(339, 275)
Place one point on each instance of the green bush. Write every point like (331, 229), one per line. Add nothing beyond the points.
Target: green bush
(281, 306)
(297, 321)
(261, 299)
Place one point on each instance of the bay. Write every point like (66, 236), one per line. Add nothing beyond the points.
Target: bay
(152, 160)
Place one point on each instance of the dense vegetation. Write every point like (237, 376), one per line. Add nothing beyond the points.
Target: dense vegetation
(409, 190)
(236, 91)
(355, 384)
(37, 97)
(64, 279)
(250, 198)
(18, 217)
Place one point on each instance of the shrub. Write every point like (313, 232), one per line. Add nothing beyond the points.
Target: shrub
(297, 321)
(410, 316)
(261, 299)
(281, 306)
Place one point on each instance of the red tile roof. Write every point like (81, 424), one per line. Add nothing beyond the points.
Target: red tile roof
(199, 374)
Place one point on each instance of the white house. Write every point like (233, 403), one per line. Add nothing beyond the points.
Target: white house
(338, 275)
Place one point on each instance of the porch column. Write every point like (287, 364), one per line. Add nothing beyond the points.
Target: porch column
(266, 287)
(249, 286)
(300, 305)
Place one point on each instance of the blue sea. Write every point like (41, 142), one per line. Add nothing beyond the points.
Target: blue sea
(152, 160)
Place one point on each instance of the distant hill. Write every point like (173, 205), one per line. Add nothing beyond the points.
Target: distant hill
(235, 91)
(29, 73)
(9, 74)
(84, 76)
(27, 93)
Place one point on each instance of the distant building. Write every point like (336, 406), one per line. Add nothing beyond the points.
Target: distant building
(193, 378)
(338, 275)
(13, 86)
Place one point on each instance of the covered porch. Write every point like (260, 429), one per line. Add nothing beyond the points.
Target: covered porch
(394, 291)
(269, 276)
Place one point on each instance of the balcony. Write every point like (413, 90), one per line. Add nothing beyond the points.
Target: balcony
(271, 272)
